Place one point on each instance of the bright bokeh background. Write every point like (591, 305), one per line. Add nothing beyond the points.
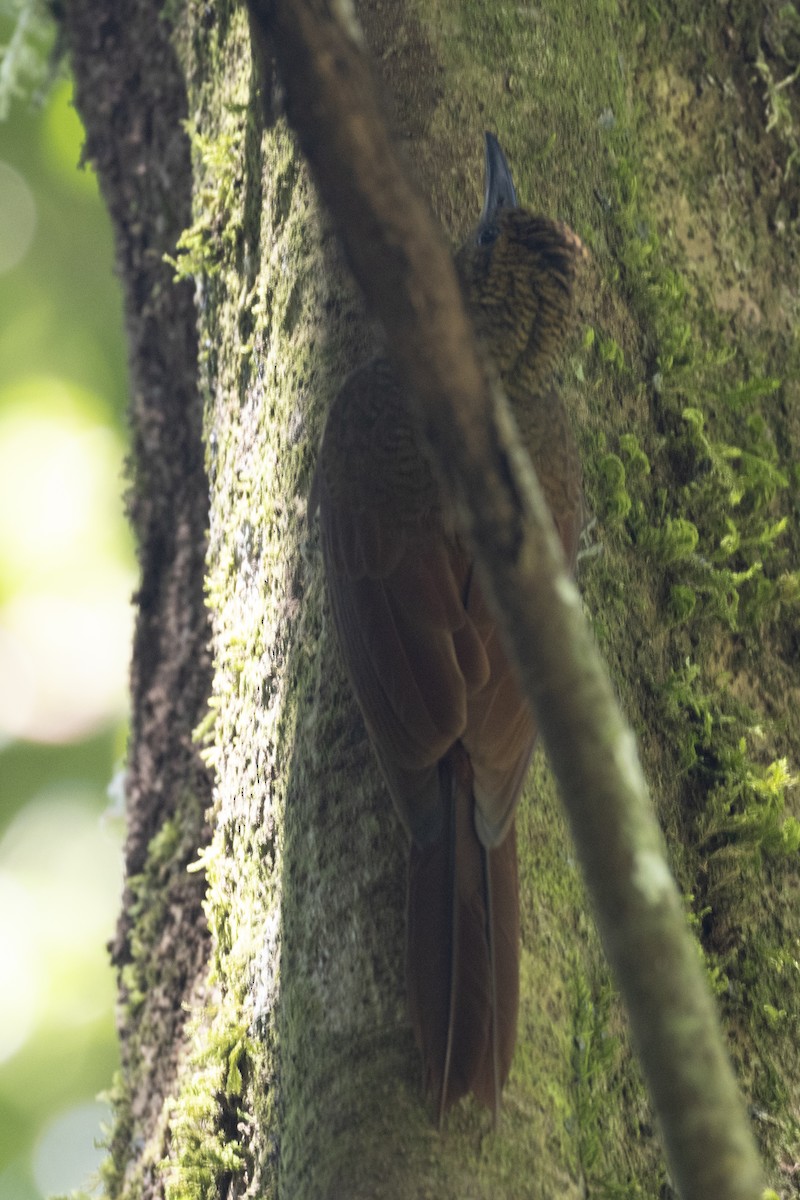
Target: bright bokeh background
(66, 577)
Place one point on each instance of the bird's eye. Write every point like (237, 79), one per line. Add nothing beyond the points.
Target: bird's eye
(487, 235)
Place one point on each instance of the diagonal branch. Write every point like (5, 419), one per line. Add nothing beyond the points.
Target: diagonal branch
(404, 269)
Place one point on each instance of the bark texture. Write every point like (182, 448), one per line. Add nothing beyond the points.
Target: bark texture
(131, 95)
(295, 1073)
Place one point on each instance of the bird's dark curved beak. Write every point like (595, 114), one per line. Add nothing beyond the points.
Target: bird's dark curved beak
(500, 192)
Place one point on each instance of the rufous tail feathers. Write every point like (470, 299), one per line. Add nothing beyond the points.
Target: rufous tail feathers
(462, 954)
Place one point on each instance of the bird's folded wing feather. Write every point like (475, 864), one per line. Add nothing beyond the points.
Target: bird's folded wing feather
(500, 733)
(411, 649)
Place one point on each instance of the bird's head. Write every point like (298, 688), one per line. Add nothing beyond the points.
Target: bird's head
(517, 270)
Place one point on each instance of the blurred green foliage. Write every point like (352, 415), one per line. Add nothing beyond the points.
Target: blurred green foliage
(66, 572)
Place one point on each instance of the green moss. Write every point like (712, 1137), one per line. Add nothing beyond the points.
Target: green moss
(147, 975)
(638, 462)
(681, 603)
(207, 244)
(688, 469)
(714, 513)
(780, 113)
(147, 910)
(611, 496)
(207, 1122)
(747, 811)
(117, 1139)
(254, 249)
(747, 840)
(210, 1123)
(687, 456)
(595, 1054)
(611, 354)
(669, 543)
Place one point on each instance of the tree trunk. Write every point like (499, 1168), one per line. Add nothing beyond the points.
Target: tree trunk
(266, 1045)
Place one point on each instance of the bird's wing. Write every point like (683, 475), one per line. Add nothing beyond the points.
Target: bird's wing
(396, 584)
(412, 654)
(500, 732)
(562, 486)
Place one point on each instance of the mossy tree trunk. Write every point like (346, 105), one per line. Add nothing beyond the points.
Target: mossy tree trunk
(266, 1049)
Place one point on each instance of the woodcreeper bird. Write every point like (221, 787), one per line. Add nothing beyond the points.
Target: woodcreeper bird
(452, 732)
